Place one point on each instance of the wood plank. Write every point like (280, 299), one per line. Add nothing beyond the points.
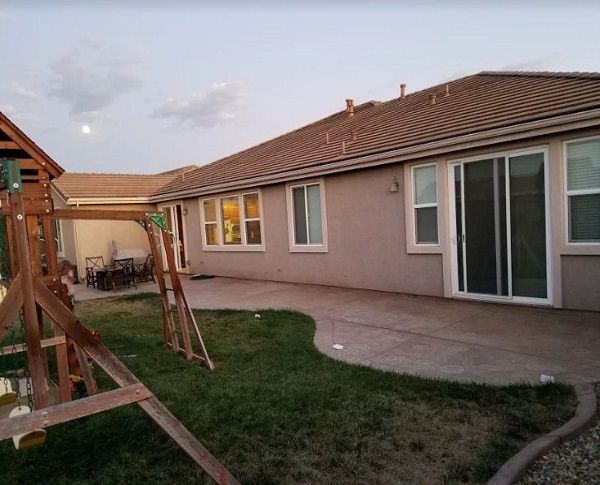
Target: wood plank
(88, 377)
(32, 207)
(168, 245)
(32, 325)
(124, 377)
(79, 333)
(61, 413)
(187, 441)
(32, 149)
(10, 244)
(10, 306)
(169, 333)
(196, 329)
(108, 215)
(45, 343)
(9, 145)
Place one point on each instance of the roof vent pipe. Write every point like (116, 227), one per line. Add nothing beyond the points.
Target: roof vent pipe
(402, 91)
(447, 90)
(432, 99)
(350, 107)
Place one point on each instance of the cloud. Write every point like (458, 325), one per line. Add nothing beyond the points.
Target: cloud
(88, 90)
(219, 104)
(24, 92)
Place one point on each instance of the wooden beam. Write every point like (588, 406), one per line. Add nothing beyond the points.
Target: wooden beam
(168, 244)
(124, 377)
(169, 333)
(48, 342)
(61, 413)
(9, 145)
(30, 317)
(173, 427)
(74, 329)
(112, 215)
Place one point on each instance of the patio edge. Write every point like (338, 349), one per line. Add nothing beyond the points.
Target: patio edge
(585, 415)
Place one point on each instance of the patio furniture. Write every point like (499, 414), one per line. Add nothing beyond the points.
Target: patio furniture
(144, 272)
(93, 265)
(121, 274)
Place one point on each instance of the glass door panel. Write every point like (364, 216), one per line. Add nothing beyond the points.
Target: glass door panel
(501, 235)
(484, 232)
(528, 225)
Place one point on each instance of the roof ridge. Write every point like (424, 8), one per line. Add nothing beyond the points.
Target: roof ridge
(558, 74)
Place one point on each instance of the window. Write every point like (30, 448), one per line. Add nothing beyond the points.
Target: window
(252, 219)
(583, 190)
(424, 202)
(307, 217)
(308, 222)
(232, 222)
(210, 222)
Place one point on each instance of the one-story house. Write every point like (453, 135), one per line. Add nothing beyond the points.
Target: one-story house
(486, 187)
(80, 239)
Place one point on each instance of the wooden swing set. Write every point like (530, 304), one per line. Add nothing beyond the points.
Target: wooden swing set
(31, 296)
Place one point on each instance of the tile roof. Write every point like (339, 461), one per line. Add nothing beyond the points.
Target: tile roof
(81, 186)
(473, 104)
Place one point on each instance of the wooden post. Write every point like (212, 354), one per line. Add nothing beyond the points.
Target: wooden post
(62, 362)
(32, 335)
(124, 377)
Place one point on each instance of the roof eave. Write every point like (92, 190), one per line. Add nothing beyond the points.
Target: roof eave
(107, 200)
(473, 140)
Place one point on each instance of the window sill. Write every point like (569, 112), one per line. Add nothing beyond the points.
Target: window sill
(235, 249)
(424, 249)
(308, 249)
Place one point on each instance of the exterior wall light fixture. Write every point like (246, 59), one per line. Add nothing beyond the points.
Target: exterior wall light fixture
(395, 185)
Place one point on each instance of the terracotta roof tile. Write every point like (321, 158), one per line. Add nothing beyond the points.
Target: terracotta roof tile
(109, 186)
(474, 104)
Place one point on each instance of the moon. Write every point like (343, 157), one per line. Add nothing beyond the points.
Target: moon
(85, 129)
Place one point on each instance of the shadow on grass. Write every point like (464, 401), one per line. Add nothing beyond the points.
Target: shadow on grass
(276, 411)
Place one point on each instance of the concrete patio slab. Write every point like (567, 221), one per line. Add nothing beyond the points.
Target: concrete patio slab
(433, 337)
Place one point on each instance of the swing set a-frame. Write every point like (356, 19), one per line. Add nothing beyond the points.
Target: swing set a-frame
(31, 296)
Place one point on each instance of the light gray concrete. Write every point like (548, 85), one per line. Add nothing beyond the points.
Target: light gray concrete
(432, 337)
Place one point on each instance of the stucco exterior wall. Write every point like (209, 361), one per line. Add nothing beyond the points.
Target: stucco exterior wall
(84, 238)
(368, 226)
(366, 243)
(581, 282)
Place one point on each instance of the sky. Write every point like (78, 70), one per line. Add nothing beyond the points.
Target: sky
(136, 86)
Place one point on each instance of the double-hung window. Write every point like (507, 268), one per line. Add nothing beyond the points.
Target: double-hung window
(232, 222)
(306, 211)
(425, 204)
(583, 190)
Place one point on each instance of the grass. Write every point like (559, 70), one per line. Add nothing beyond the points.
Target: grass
(276, 411)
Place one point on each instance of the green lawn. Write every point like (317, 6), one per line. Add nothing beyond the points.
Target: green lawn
(275, 410)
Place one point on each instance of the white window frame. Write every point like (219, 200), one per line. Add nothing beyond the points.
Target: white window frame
(206, 223)
(243, 246)
(411, 207)
(244, 218)
(58, 232)
(306, 248)
(570, 193)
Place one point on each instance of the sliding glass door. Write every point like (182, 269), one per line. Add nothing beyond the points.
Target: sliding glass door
(500, 240)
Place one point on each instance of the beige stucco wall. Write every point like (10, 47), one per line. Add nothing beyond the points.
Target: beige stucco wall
(366, 244)
(84, 238)
(368, 236)
(581, 282)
